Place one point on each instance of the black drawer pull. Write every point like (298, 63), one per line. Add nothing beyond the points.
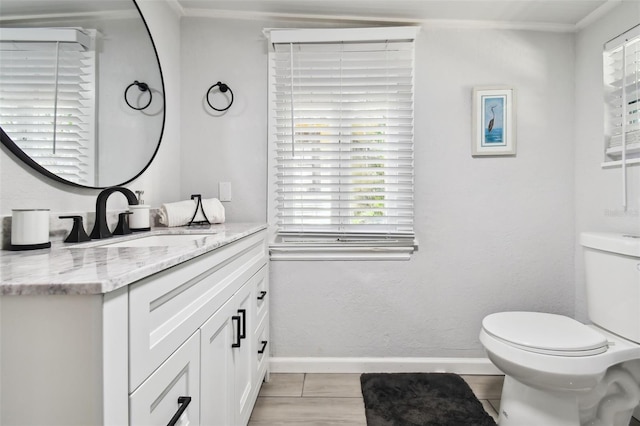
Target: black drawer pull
(243, 312)
(264, 346)
(262, 295)
(184, 402)
(236, 318)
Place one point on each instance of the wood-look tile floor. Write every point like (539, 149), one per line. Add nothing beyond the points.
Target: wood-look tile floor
(336, 399)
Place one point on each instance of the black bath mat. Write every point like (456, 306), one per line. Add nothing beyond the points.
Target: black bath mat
(421, 399)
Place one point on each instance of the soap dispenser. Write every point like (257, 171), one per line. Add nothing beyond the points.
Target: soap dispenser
(139, 218)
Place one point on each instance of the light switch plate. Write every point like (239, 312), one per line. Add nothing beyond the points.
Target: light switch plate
(224, 191)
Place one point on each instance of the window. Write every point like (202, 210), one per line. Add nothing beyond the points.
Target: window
(621, 63)
(622, 87)
(47, 98)
(341, 142)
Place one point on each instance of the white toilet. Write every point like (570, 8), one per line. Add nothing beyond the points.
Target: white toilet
(560, 372)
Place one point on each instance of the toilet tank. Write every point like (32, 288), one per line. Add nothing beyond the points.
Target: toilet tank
(612, 273)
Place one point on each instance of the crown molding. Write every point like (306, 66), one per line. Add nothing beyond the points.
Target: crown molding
(597, 14)
(498, 25)
(275, 16)
(114, 14)
(376, 20)
(370, 20)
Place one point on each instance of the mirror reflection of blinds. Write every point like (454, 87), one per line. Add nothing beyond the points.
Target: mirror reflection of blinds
(343, 117)
(47, 104)
(622, 96)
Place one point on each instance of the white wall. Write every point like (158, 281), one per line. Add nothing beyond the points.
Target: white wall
(20, 187)
(598, 192)
(495, 233)
(229, 146)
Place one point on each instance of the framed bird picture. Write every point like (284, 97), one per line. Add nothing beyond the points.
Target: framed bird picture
(494, 121)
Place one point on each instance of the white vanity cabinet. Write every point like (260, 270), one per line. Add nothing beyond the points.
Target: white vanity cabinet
(213, 300)
(180, 343)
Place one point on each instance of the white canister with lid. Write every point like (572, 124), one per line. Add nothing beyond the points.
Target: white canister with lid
(29, 229)
(139, 218)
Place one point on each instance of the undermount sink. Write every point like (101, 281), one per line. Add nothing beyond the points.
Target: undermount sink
(161, 240)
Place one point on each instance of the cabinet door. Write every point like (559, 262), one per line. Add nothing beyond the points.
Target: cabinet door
(218, 335)
(228, 359)
(162, 395)
(243, 355)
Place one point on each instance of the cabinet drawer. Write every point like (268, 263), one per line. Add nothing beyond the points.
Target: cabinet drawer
(156, 401)
(168, 307)
(262, 349)
(262, 298)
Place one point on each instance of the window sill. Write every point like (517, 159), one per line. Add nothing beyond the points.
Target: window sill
(326, 251)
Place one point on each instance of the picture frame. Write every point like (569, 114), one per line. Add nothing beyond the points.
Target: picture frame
(494, 121)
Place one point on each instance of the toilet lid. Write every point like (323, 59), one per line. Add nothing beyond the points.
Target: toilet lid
(545, 333)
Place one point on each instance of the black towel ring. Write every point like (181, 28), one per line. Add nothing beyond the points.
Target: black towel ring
(143, 87)
(223, 88)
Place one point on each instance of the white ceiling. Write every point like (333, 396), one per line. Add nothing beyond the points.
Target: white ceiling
(560, 15)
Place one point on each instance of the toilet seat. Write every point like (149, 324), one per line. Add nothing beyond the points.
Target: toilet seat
(545, 333)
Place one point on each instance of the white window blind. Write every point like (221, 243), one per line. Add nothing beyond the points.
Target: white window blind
(342, 140)
(47, 104)
(622, 93)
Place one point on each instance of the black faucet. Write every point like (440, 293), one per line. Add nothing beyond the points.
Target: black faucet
(100, 229)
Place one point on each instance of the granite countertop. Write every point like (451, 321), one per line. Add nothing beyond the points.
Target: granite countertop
(89, 268)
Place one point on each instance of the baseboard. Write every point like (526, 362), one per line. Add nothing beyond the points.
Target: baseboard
(382, 365)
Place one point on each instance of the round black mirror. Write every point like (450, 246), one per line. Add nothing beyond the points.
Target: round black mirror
(65, 66)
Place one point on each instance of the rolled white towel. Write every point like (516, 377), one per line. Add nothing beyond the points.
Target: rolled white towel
(180, 213)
